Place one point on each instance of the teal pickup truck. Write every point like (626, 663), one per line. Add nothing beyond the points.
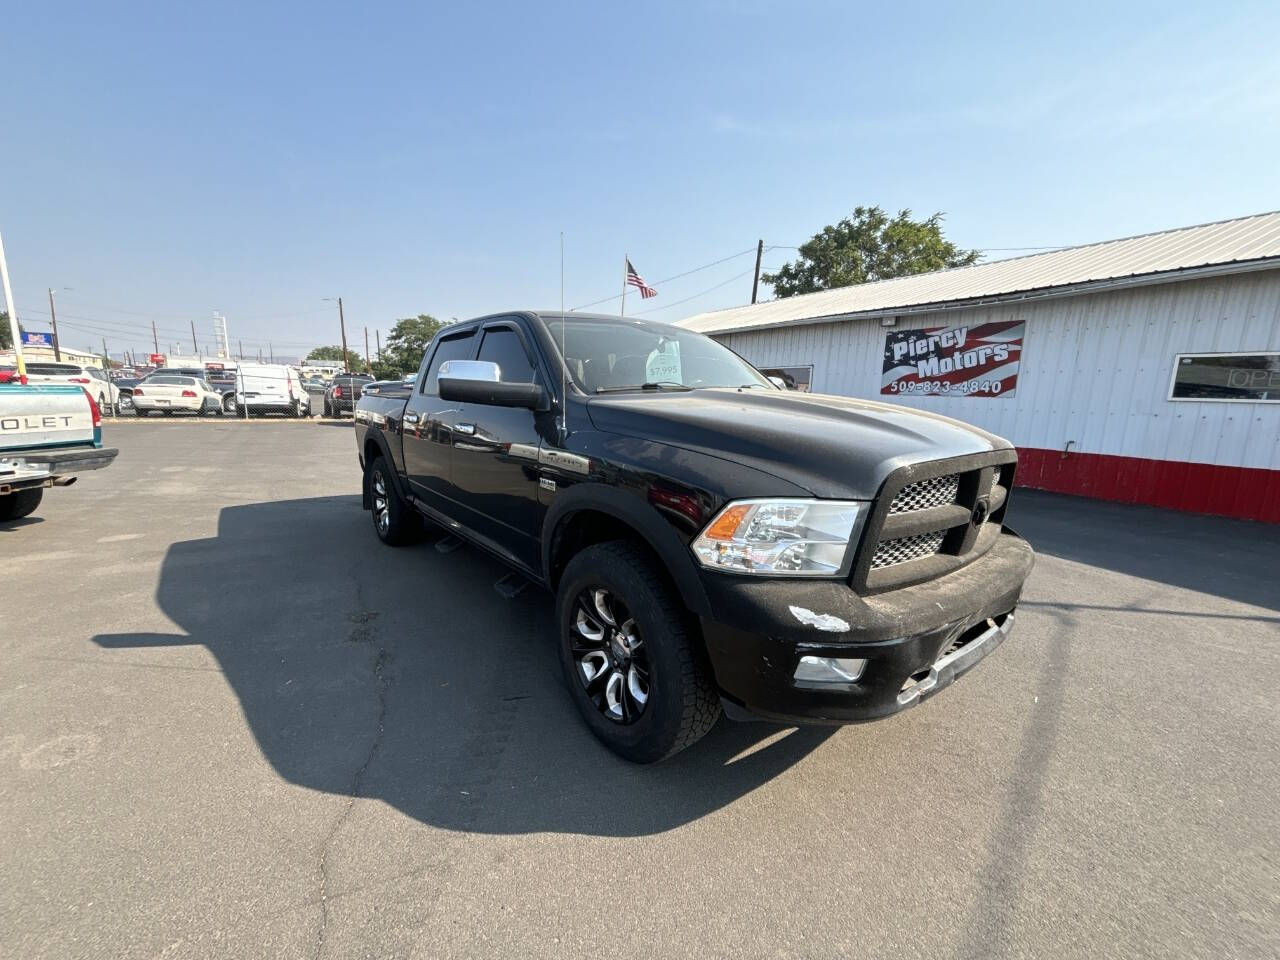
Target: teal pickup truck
(48, 434)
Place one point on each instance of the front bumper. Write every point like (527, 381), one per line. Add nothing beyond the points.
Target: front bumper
(916, 640)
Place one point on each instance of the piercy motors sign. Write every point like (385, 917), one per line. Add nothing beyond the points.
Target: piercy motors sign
(979, 360)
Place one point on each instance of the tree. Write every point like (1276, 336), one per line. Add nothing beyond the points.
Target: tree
(6, 338)
(353, 362)
(868, 246)
(403, 349)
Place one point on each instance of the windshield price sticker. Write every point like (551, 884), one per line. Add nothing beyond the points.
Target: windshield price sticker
(663, 365)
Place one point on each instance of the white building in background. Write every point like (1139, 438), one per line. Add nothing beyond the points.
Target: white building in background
(1144, 370)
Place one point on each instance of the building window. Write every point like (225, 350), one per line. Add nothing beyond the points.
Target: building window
(1240, 377)
(796, 378)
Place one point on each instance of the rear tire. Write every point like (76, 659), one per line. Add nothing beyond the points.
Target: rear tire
(395, 521)
(15, 506)
(657, 659)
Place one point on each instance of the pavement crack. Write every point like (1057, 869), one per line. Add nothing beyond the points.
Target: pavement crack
(362, 617)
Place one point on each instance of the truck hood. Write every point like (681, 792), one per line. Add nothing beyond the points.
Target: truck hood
(837, 447)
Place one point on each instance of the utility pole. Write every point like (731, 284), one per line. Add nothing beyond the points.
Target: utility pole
(342, 325)
(240, 344)
(195, 347)
(377, 336)
(271, 352)
(155, 340)
(367, 367)
(755, 284)
(53, 317)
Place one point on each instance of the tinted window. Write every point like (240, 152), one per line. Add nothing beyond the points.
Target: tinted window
(504, 348)
(53, 369)
(455, 348)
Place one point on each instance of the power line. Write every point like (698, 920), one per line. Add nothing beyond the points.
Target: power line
(676, 303)
(705, 266)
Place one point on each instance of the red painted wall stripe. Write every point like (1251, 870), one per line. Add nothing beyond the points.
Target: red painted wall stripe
(1246, 492)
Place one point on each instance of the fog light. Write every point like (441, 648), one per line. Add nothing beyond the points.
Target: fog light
(829, 669)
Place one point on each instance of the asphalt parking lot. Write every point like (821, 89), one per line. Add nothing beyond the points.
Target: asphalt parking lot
(235, 725)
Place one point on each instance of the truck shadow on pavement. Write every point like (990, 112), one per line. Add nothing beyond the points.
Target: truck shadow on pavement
(403, 675)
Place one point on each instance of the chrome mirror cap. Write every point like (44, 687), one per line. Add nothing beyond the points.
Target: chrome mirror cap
(482, 370)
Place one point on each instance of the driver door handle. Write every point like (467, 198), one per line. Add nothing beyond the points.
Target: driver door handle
(410, 418)
(466, 428)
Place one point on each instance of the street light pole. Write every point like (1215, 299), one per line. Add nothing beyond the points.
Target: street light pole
(53, 317)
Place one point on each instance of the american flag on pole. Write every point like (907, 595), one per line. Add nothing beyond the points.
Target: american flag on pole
(637, 281)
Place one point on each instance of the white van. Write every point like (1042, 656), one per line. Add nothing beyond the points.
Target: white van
(270, 388)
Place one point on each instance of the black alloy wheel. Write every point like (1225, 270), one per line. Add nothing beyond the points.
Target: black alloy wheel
(633, 662)
(612, 662)
(395, 521)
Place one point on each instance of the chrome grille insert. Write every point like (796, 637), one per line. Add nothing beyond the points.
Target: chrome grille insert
(889, 552)
(924, 494)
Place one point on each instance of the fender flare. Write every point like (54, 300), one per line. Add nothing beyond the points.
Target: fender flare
(379, 440)
(656, 532)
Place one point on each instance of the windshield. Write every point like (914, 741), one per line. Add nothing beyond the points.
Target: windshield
(617, 355)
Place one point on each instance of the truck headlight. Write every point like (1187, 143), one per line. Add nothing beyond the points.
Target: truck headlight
(783, 537)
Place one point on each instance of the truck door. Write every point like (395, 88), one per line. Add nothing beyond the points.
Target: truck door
(495, 451)
(428, 428)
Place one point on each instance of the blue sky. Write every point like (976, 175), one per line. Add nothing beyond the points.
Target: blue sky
(166, 160)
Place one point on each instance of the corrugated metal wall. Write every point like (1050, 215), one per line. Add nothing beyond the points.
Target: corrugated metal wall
(1095, 369)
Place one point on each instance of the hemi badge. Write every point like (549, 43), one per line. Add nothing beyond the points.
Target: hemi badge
(546, 483)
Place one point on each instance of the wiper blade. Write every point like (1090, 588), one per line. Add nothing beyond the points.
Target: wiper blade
(651, 385)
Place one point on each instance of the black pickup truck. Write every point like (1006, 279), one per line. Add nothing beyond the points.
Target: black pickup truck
(712, 540)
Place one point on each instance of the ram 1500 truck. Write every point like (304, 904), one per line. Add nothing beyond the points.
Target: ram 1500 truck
(48, 434)
(712, 540)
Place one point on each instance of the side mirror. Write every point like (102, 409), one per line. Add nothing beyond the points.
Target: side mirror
(778, 382)
(479, 381)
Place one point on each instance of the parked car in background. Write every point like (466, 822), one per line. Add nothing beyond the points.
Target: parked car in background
(343, 392)
(48, 434)
(168, 392)
(8, 373)
(127, 386)
(270, 388)
(95, 382)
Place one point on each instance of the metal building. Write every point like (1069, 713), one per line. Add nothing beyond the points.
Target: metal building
(1144, 370)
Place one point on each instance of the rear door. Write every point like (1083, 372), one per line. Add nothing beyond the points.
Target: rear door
(428, 428)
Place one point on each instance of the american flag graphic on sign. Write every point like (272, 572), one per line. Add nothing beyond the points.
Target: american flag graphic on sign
(637, 281)
(976, 361)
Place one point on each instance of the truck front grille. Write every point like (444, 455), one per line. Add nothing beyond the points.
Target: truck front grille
(889, 552)
(932, 518)
(923, 494)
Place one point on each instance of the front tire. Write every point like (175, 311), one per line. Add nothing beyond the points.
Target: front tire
(395, 521)
(640, 681)
(15, 506)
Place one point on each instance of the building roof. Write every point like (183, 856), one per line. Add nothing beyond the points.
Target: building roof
(1227, 246)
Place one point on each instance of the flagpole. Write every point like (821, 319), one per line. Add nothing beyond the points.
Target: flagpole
(626, 262)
